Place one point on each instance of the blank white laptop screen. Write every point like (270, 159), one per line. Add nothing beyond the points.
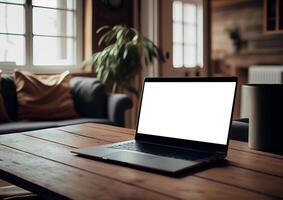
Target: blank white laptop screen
(198, 111)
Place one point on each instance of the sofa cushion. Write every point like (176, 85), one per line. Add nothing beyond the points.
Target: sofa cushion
(44, 97)
(10, 96)
(89, 97)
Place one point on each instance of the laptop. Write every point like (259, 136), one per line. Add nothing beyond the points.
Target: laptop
(182, 123)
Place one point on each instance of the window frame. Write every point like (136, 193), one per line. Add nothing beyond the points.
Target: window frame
(29, 66)
(196, 45)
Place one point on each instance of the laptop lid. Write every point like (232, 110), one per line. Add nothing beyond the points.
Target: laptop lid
(187, 112)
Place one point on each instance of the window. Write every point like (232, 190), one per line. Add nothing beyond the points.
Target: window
(187, 34)
(40, 34)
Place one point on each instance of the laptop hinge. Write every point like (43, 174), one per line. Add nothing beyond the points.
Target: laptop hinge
(217, 152)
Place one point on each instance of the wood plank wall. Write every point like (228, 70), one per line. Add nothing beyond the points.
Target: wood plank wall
(103, 15)
(247, 15)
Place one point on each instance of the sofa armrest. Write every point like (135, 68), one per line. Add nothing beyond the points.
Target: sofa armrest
(117, 105)
(240, 129)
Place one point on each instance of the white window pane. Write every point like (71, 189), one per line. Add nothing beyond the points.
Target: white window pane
(12, 18)
(53, 51)
(65, 4)
(190, 13)
(177, 55)
(178, 32)
(177, 11)
(190, 34)
(53, 22)
(12, 49)
(14, 1)
(189, 56)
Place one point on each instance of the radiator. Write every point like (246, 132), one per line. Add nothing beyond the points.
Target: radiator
(261, 75)
(265, 74)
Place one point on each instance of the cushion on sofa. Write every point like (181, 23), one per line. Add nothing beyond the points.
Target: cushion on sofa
(10, 96)
(44, 97)
(89, 97)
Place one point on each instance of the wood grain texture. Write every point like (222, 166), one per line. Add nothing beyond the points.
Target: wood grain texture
(241, 156)
(238, 158)
(4, 183)
(242, 146)
(66, 181)
(63, 137)
(246, 175)
(150, 181)
(112, 128)
(100, 134)
(12, 191)
(262, 164)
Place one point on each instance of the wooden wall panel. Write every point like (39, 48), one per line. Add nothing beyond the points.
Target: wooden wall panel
(247, 16)
(103, 15)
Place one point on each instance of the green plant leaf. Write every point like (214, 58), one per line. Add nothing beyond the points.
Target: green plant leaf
(121, 60)
(102, 28)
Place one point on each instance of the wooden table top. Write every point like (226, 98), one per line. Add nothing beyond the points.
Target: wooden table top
(41, 161)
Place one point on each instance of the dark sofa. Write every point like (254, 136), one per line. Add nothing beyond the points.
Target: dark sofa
(91, 101)
(240, 130)
(92, 104)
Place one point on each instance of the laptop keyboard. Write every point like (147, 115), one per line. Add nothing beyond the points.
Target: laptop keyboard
(162, 151)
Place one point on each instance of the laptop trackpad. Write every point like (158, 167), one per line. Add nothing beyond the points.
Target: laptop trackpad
(151, 161)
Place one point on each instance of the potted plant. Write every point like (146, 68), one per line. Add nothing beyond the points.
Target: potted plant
(124, 55)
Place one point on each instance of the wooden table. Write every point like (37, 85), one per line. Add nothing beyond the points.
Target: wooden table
(41, 161)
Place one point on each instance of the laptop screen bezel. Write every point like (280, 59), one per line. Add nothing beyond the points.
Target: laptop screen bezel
(220, 148)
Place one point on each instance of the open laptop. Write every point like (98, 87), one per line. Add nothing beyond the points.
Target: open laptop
(182, 123)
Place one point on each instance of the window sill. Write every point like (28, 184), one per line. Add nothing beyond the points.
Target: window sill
(43, 69)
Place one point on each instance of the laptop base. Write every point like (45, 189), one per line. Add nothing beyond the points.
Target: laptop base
(140, 160)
